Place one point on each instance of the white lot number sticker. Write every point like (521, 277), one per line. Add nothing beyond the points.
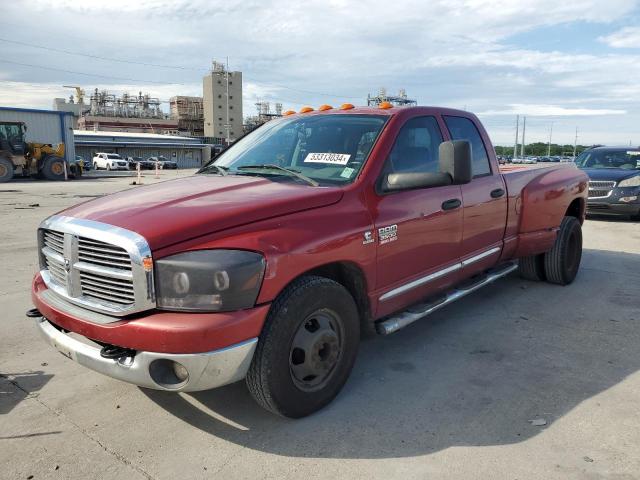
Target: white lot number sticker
(330, 158)
(633, 152)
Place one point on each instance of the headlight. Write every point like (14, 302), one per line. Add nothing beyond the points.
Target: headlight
(209, 280)
(630, 182)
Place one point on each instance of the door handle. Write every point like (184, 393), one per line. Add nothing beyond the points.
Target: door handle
(451, 204)
(497, 193)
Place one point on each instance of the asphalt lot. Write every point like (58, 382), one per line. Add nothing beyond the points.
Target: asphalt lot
(518, 381)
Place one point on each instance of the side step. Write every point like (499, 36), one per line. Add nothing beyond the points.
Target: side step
(416, 312)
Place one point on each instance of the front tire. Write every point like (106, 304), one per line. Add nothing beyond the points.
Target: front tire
(562, 262)
(53, 168)
(307, 348)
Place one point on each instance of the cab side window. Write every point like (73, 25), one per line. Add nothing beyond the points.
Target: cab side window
(462, 128)
(416, 147)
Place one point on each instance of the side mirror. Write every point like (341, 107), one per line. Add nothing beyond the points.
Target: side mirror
(455, 159)
(407, 181)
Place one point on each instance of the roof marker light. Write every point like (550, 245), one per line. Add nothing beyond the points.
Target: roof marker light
(324, 107)
(346, 106)
(288, 112)
(306, 109)
(385, 105)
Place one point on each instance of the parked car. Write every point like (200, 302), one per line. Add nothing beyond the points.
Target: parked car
(164, 162)
(144, 164)
(109, 161)
(614, 180)
(272, 260)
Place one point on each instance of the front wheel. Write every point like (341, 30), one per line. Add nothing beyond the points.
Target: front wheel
(53, 168)
(562, 262)
(307, 348)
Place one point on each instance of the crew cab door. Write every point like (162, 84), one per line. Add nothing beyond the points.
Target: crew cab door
(484, 201)
(418, 231)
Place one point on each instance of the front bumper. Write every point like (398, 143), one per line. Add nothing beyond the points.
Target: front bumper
(150, 369)
(152, 330)
(612, 205)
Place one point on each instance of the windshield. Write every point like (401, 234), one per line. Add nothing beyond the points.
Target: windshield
(329, 149)
(114, 156)
(609, 158)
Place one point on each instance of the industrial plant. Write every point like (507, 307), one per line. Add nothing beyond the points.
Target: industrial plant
(188, 131)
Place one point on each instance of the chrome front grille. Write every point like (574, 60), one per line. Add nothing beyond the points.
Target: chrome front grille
(54, 256)
(97, 266)
(600, 188)
(101, 284)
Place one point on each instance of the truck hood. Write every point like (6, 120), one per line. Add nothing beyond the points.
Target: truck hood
(612, 174)
(178, 210)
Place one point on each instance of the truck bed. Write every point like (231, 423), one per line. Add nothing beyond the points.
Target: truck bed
(538, 196)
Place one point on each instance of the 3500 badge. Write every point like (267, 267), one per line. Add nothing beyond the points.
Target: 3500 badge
(388, 234)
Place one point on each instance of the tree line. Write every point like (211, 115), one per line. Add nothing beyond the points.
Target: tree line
(540, 149)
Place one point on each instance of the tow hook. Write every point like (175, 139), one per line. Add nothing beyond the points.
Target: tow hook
(114, 352)
(33, 313)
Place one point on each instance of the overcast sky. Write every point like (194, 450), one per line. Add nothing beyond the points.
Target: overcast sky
(571, 63)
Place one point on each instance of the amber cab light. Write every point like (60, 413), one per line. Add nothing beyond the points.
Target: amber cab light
(346, 106)
(306, 109)
(324, 107)
(288, 112)
(385, 105)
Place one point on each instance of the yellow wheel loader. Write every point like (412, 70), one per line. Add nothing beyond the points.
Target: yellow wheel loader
(41, 160)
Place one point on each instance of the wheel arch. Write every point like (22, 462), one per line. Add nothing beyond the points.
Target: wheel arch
(576, 209)
(351, 277)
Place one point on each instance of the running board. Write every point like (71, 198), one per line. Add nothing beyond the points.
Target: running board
(416, 312)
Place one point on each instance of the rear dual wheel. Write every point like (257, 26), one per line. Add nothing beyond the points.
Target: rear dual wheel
(307, 348)
(559, 265)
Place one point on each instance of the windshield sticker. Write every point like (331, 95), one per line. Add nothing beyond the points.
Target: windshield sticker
(330, 158)
(347, 172)
(633, 152)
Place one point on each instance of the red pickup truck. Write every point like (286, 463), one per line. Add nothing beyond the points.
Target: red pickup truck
(274, 259)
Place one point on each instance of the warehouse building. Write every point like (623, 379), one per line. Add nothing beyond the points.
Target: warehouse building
(188, 152)
(44, 126)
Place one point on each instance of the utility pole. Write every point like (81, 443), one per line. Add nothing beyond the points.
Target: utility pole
(550, 133)
(227, 126)
(515, 145)
(524, 126)
(575, 145)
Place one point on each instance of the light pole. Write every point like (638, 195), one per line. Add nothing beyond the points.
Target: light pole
(515, 145)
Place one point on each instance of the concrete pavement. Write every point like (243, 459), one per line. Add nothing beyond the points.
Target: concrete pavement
(519, 380)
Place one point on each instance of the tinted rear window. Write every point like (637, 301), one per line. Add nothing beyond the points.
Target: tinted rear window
(462, 128)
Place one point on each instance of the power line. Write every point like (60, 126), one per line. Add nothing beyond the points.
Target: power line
(157, 65)
(99, 57)
(2, 60)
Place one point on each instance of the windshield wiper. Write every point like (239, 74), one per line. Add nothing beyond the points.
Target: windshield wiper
(286, 171)
(219, 169)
